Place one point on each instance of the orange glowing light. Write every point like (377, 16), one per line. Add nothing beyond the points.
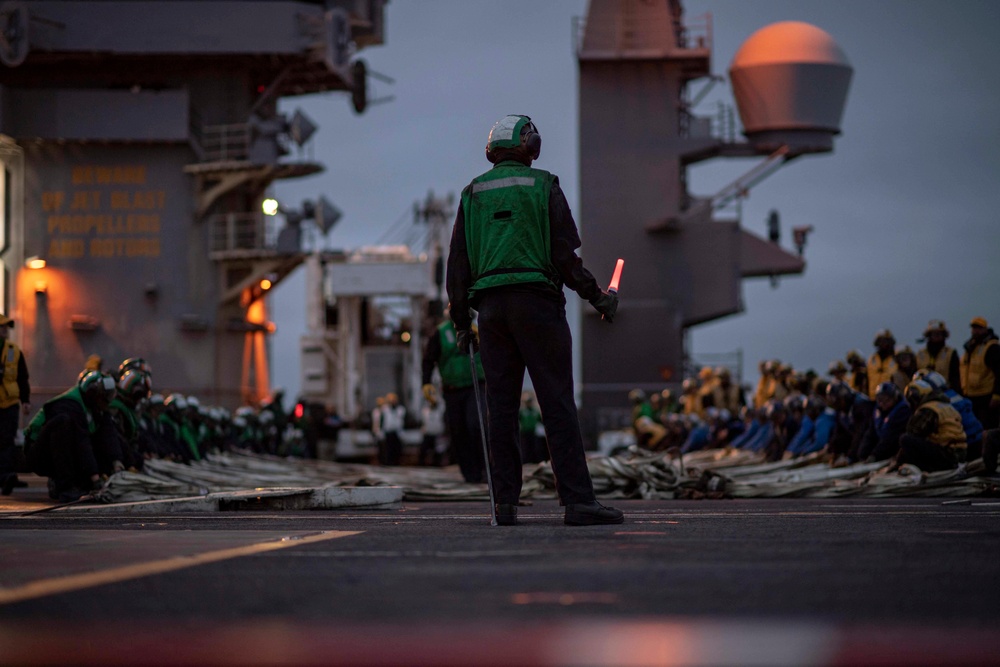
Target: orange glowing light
(256, 379)
(35, 263)
(265, 284)
(613, 287)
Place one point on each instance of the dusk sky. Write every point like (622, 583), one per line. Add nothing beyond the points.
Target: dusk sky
(905, 209)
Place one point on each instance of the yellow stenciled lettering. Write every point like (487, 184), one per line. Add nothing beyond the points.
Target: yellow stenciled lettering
(83, 175)
(58, 222)
(149, 247)
(120, 200)
(148, 199)
(69, 248)
(53, 201)
(85, 200)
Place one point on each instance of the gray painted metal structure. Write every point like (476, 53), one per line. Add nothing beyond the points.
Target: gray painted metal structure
(139, 140)
(638, 135)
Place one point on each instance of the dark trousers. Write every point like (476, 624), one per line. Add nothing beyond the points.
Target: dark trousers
(926, 455)
(428, 454)
(462, 418)
(390, 449)
(9, 420)
(518, 331)
(533, 448)
(63, 454)
(991, 449)
(988, 417)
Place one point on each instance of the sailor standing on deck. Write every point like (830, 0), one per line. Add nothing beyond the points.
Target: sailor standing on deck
(15, 400)
(937, 356)
(980, 371)
(459, 398)
(512, 250)
(882, 366)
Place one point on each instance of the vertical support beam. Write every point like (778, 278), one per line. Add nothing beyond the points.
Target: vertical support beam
(350, 350)
(418, 305)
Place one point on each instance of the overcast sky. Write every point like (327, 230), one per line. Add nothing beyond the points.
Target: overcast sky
(905, 209)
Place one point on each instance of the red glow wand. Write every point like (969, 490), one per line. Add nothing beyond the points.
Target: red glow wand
(613, 287)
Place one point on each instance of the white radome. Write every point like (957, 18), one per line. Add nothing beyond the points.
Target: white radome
(790, 81)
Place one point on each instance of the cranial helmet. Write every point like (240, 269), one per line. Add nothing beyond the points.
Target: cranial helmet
(774, 408)
(936, 326)
(837, 391)
(836, 366)
(512, 132)
(134, 363)
(933, 378)
(917, 392)
(815, 404)
(795, 402)
(637, 396)
(97, 389)
(886, 335)
(888, 390)
(175, 402)
(134, 384)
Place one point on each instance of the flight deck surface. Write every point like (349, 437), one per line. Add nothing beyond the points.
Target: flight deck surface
(787, 581)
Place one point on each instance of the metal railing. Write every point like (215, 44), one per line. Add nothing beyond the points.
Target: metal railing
(696, 33)
(623, 37)
(231, 232)
(722, 125)
(225, 143)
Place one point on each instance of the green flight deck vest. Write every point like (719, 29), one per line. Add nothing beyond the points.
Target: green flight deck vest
(34, 427)
(506, 213)
(453, 365)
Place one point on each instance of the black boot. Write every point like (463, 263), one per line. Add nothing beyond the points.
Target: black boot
(506, 515)
(991, 450)
(592, 514)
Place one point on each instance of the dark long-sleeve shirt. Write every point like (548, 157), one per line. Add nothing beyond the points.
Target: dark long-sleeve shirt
(564, 241)
(432, 353)
(23, 387)
(882, 438)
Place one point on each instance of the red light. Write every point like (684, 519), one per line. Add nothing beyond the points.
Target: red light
(299, 410)
(261, 88)
(613, 287)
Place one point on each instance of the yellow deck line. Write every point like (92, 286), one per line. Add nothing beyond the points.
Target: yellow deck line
(74, 582)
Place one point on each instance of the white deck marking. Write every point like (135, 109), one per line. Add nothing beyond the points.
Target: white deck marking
(75, 582)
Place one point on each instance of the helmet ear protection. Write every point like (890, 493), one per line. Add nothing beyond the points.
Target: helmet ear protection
(97, 388)
(502, 136)
(531, 140)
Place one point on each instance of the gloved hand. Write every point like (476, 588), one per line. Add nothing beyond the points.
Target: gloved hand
(606, 304)
(467, 339)
(430, 393)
